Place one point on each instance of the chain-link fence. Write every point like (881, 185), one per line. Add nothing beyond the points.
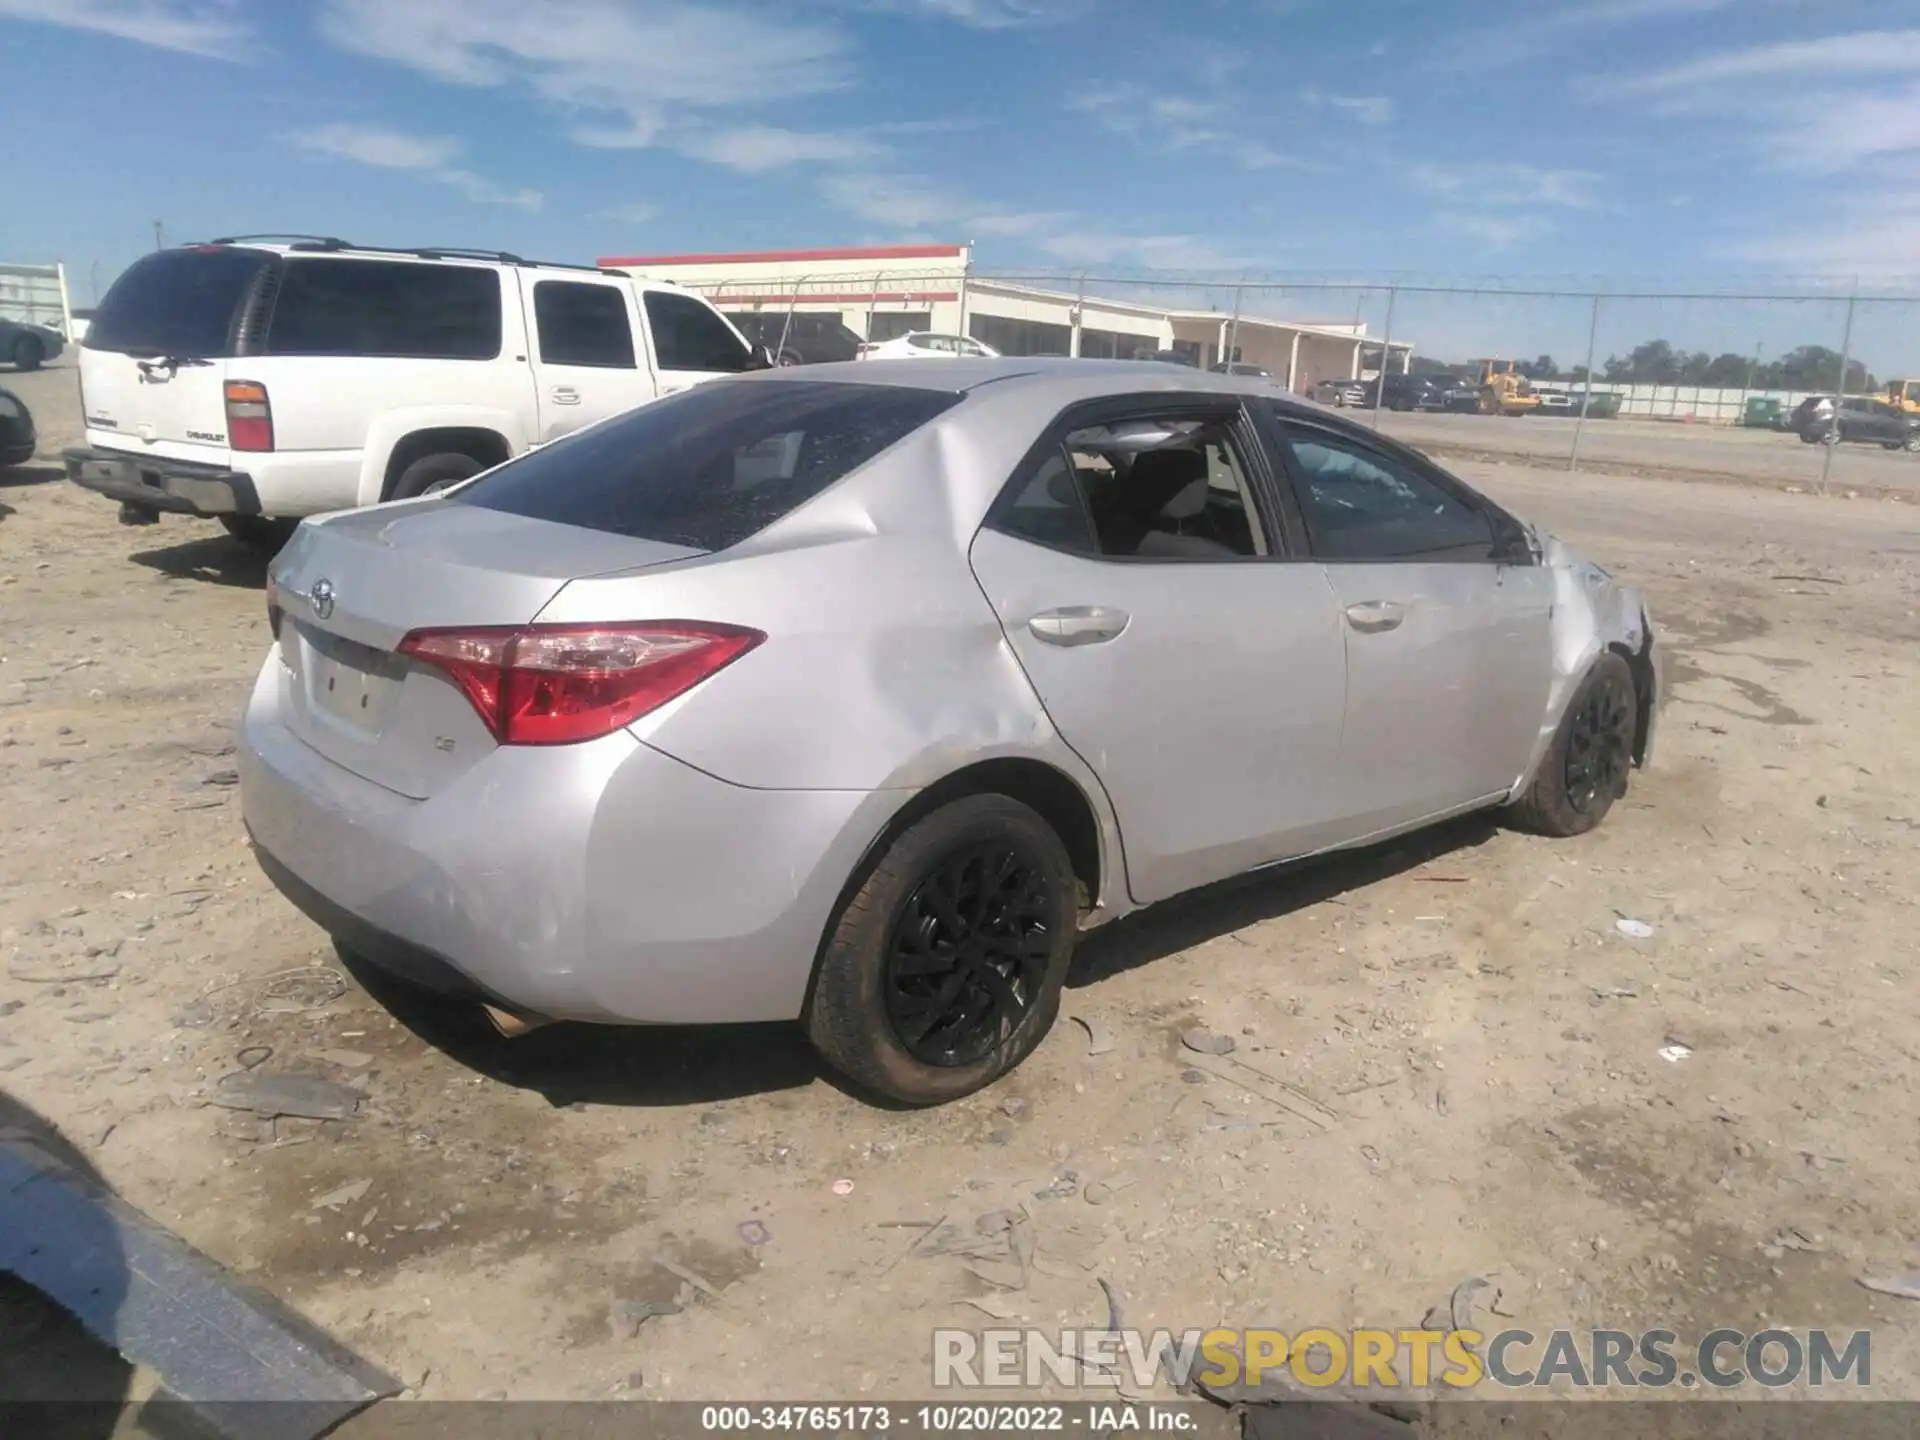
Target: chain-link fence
(1801, 388)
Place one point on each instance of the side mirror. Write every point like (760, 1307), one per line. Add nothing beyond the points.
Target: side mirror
(759, 359)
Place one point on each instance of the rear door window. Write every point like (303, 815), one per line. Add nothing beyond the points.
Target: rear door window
(712, 465)
(689, 336)
(184, 303)
(386, 308)
(583, 324)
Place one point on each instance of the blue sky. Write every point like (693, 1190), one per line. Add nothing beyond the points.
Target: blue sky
(1644, 142)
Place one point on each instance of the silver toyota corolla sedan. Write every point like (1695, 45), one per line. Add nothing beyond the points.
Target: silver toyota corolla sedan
(853, 693)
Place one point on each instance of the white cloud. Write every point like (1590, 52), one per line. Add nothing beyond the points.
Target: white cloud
(1880, 52)
(1494, 230)
(429, 155)
(625, 71)
(1172, 124)
(913, 207)
(757, 148)
(381, 148)
(987, 14)
(193, 27)
(1501, 184)
(1367, 109)
(638, 212)
(1819, 105)
(1518, 38)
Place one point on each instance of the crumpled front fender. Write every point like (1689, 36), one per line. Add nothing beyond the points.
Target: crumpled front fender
(1594, 613)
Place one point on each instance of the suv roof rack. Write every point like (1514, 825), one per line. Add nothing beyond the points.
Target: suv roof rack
(330, 243)
(306, 242)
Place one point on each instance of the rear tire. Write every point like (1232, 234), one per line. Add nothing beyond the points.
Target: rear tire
(944, 969)
(1911, 444)
(433, 473)
(260, 533)
(1586, 766)
(28, 353)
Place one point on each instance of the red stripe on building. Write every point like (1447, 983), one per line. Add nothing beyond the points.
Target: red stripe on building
(863, 297)
(774, 257)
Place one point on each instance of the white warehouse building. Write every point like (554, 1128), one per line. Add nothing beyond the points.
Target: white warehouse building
(878, 293)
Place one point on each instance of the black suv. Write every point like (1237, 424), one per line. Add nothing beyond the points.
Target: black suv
(1421, 392)
(1859, 418)
(798, 338)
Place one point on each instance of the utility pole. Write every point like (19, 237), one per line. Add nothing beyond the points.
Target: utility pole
(159, 234)
(1586, 391)
(1839, 394)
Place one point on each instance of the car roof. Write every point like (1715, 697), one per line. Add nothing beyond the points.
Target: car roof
(1047, 383)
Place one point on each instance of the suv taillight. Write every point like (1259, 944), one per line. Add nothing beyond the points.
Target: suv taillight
(560, 684)
(249, 417)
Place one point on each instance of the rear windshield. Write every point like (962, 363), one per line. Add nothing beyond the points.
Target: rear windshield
(176, 302)
(712, 465)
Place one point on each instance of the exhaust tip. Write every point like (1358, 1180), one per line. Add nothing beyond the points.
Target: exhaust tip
(512, 1024)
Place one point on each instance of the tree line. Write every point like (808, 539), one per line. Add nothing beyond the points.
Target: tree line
(1806, 367)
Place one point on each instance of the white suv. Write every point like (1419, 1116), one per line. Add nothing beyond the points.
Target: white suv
(259, 382)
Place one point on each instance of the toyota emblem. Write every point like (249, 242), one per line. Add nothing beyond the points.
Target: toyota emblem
(321, 598)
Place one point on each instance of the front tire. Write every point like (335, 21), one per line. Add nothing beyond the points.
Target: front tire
(1585, 768)
(944, 969)
(28, 353)
(1911, 444)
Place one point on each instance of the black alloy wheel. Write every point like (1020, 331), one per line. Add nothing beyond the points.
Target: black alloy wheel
(968, 955)
(1600, 747)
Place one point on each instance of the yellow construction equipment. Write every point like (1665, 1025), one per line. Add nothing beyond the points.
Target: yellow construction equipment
(1905, 395)
(1504, 390)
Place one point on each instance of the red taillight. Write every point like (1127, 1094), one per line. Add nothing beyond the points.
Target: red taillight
(274, 608)
(249, 417)
(558, 684)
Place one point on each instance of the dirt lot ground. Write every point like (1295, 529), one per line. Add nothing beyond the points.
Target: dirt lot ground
(1479, 1042)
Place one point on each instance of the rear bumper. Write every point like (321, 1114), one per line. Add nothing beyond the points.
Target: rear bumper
(179, 487)
(601, 882)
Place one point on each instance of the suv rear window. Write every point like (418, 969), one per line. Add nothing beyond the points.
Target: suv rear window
(177, 302)
(712, 465)
(387, 308)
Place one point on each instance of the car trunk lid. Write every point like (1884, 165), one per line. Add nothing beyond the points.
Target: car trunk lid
(353, 587)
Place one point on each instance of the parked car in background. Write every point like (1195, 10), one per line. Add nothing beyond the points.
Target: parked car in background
(1341, 393)
(1414, 392)
(17, 438)
(1243, 368)
(1553, 402)
(27, 346)
(1600, 404)
(798, 338)
(926, 345)
(792, 696)
(255, 383)
(1809, 416)
(1860, 418)
(1168, 357)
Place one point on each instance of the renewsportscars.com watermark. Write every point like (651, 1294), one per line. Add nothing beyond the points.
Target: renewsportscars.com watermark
(1446, 1361)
